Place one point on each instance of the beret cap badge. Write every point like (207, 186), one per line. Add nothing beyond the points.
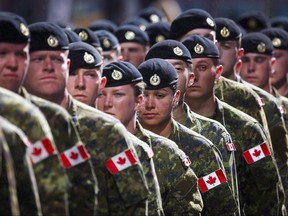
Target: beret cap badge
(24, 29)
(159, 38)
(83, 35)
(199, 49)
(261, 47)
(225, 32)
(88, 58)
(154, 18)
(276, 42)
(116, 75)
(106, 43)
(129, 35)
(210, 22)
(178, 51)
(52, 41)
(155, 80)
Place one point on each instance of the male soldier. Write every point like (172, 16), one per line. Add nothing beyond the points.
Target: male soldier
(255, 180)
(161, 96)
(257, 67)
(253, 21)
(121, 98)
(14, 59)
(61, 124)
(179, 56)
(82, 70)
(134, 44)
(104, 137)
(158, 31)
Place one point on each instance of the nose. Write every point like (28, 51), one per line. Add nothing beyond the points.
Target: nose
(251, 67)
(80, 82)
(125, 55)
(12, 62)
(149, 103)
(107, 100)
(48, 65)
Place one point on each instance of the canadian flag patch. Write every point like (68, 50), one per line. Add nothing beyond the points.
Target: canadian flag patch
(184, 158)
(230, 147)
(121, 161)
(40, 150)
(74, 156)
(212, 180)
(260, 102)
(256, 153)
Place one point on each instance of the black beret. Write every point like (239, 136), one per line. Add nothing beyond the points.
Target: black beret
(158, 73)
(257, 42)
(72, 36)
(169, 49)
(201, 47)
(158, 32)
(152, 14)
(253, 21)
(83, 55)
(279, 22)
(103, 25)
(278, 36)
(87, 35)
(227, 29)
(107, 40)
(13, 28)
(47, 36)
(189, 20)
(130, 33)
(137, 21)
(121, 73)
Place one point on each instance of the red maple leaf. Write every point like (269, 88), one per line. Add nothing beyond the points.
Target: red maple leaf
(73, 155)
(211, 180)
(121, 160)
(256, 153)
(36, 151)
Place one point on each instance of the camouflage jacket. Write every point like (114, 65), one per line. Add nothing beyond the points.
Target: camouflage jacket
(50, 176)
(105, 137)
(283, 105)
(82, 179)
(178, 182)
(257, 181)
(26, 188)
(205, 160)
(220, 137)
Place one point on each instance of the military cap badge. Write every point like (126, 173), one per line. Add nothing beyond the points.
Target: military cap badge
(52, 41)
(154, 18)
(88, 58)
(210, 22)
(276, 42)
(24, 29)
(116, 75)
(129, 35)
(261, 47)
(159, 38)
(225, 32)
(155, 80)
(199, 49)
(252, 23)
(142, 27)
(106, 43)
(178, 51)
(83, 35)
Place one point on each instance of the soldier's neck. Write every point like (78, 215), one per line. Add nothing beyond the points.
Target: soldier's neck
(202, 106)
(282, 88)
(179, 112)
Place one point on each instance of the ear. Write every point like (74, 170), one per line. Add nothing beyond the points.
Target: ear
(219, 70)
(139, 102)
(102, 84)
(191, 79)
(176, 99)
(240, 53)
(273, 61)
(237, 66)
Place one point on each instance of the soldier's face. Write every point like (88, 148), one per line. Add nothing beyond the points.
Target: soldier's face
(85, 84)
(14, 60)
(256, 69)
(47, 73)
(120, 102)
(158, 107)
(133, 53)
(205, 75)
(281, 68)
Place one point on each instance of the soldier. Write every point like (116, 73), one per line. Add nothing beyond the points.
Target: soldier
(61, 124)
(121, 98)
(258, 62)
(158, 31)
(179, 56)
(104, 137)
(134, 44)
(103, 25)
(257, 175)
(161, 96)
(253, 21)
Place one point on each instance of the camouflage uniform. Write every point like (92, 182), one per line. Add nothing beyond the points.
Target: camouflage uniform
(205, 160)
(7, 173)
(257, 181)
(283, 105)
(82, 179)
(27, 191)
(175, 178)
(125, 192)
(50, 176)
(219, 136)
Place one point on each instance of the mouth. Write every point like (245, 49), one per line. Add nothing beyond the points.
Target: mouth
(79, 96)
(10, 75)
(150, 115)
(48, 78)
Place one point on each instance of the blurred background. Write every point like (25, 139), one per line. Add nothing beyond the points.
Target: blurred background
(84, 12)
